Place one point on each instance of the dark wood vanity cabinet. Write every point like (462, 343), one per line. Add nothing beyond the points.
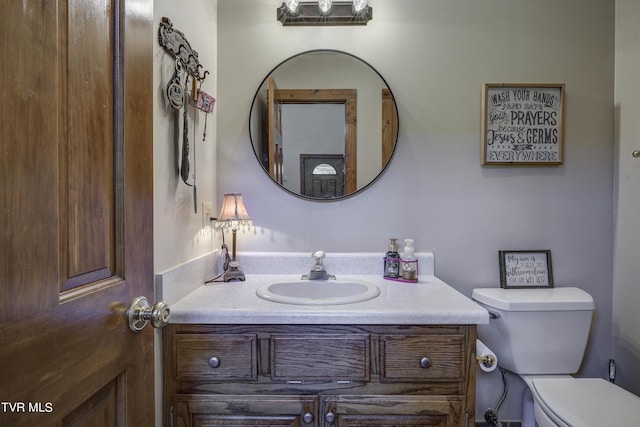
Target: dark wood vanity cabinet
(319, 375)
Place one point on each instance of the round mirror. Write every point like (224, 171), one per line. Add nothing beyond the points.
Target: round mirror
(323, 124)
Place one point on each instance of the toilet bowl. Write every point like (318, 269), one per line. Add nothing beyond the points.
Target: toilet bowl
(541, 335)
(577, 402)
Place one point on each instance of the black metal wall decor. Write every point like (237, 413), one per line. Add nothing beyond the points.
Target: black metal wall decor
(187, 70)
(176, 44)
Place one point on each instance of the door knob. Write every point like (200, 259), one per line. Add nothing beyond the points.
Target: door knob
(636, 153)
(140, 313)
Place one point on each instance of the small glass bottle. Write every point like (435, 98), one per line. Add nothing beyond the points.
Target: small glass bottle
(409, 262)
(392, 261)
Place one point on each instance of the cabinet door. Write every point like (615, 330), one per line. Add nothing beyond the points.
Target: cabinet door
(352, 411)
(238, 410)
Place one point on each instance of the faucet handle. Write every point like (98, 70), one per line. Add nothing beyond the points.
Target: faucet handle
(317, 261)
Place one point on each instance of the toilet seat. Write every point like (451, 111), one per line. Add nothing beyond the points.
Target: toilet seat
(585, 402)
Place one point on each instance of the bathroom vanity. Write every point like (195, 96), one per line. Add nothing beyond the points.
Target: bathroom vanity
(405, 357)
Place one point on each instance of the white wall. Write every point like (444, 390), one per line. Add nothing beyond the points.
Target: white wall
(435, 56)
(626, 278)
(178, 234)
(177, 230)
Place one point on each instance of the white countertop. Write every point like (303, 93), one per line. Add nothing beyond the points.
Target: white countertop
(430, 301)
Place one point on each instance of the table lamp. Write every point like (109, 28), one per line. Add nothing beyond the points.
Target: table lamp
(232, 214)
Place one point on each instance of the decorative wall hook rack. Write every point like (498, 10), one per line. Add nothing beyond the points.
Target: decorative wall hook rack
(176, 44)
(187, 66)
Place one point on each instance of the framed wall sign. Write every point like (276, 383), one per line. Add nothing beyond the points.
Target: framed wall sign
(525, 269)
(522, 124)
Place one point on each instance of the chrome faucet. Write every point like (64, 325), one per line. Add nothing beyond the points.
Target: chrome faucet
(318, 271)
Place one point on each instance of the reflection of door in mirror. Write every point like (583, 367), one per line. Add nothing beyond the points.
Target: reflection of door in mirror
(389, 125)
(310, 129)
(348, 99)
(322, 175)
(275, 152)
(275, 149)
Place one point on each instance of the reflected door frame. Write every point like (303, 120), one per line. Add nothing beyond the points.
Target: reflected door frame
(348, 97)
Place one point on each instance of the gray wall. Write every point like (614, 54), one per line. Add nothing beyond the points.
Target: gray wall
(436, 56)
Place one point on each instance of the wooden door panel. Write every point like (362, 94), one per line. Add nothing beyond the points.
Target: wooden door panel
(65, 355)
(88, 195)
(76, 202)
(100, 410)
(26, 170)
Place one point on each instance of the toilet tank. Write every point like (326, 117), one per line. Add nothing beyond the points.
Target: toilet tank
(537, 331)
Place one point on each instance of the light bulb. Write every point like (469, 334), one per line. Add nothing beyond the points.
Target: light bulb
(358, 5)
(324, 5)
(292, 5)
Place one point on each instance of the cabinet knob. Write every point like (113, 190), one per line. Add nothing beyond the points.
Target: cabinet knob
(330, 417)
(214, 362)
(425, 362)
(636, 153)
(307, 418)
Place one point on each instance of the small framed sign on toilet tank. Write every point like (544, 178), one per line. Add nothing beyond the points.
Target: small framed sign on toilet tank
(525, 269)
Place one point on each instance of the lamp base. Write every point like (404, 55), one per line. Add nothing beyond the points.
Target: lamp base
(233, 273)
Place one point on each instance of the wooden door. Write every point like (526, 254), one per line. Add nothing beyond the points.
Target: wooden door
(274, 114)
(389, 126)
(76, 212)
(347, 97)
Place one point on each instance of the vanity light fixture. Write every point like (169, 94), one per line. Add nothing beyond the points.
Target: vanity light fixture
(324, 12)
(232, 214)
(359, 5)
(292, 6)
(324, 6)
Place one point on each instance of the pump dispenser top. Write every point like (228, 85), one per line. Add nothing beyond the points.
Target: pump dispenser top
(393, 245)
(409, 253)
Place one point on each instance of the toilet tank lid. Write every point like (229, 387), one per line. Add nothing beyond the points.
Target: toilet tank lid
(538, 299)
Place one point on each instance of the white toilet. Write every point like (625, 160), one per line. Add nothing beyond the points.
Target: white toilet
(541, 334)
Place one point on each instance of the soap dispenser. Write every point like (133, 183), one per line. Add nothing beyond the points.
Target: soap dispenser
(409, 262)
(392, 261)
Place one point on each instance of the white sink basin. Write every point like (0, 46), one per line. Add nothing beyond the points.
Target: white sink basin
(318, 292)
